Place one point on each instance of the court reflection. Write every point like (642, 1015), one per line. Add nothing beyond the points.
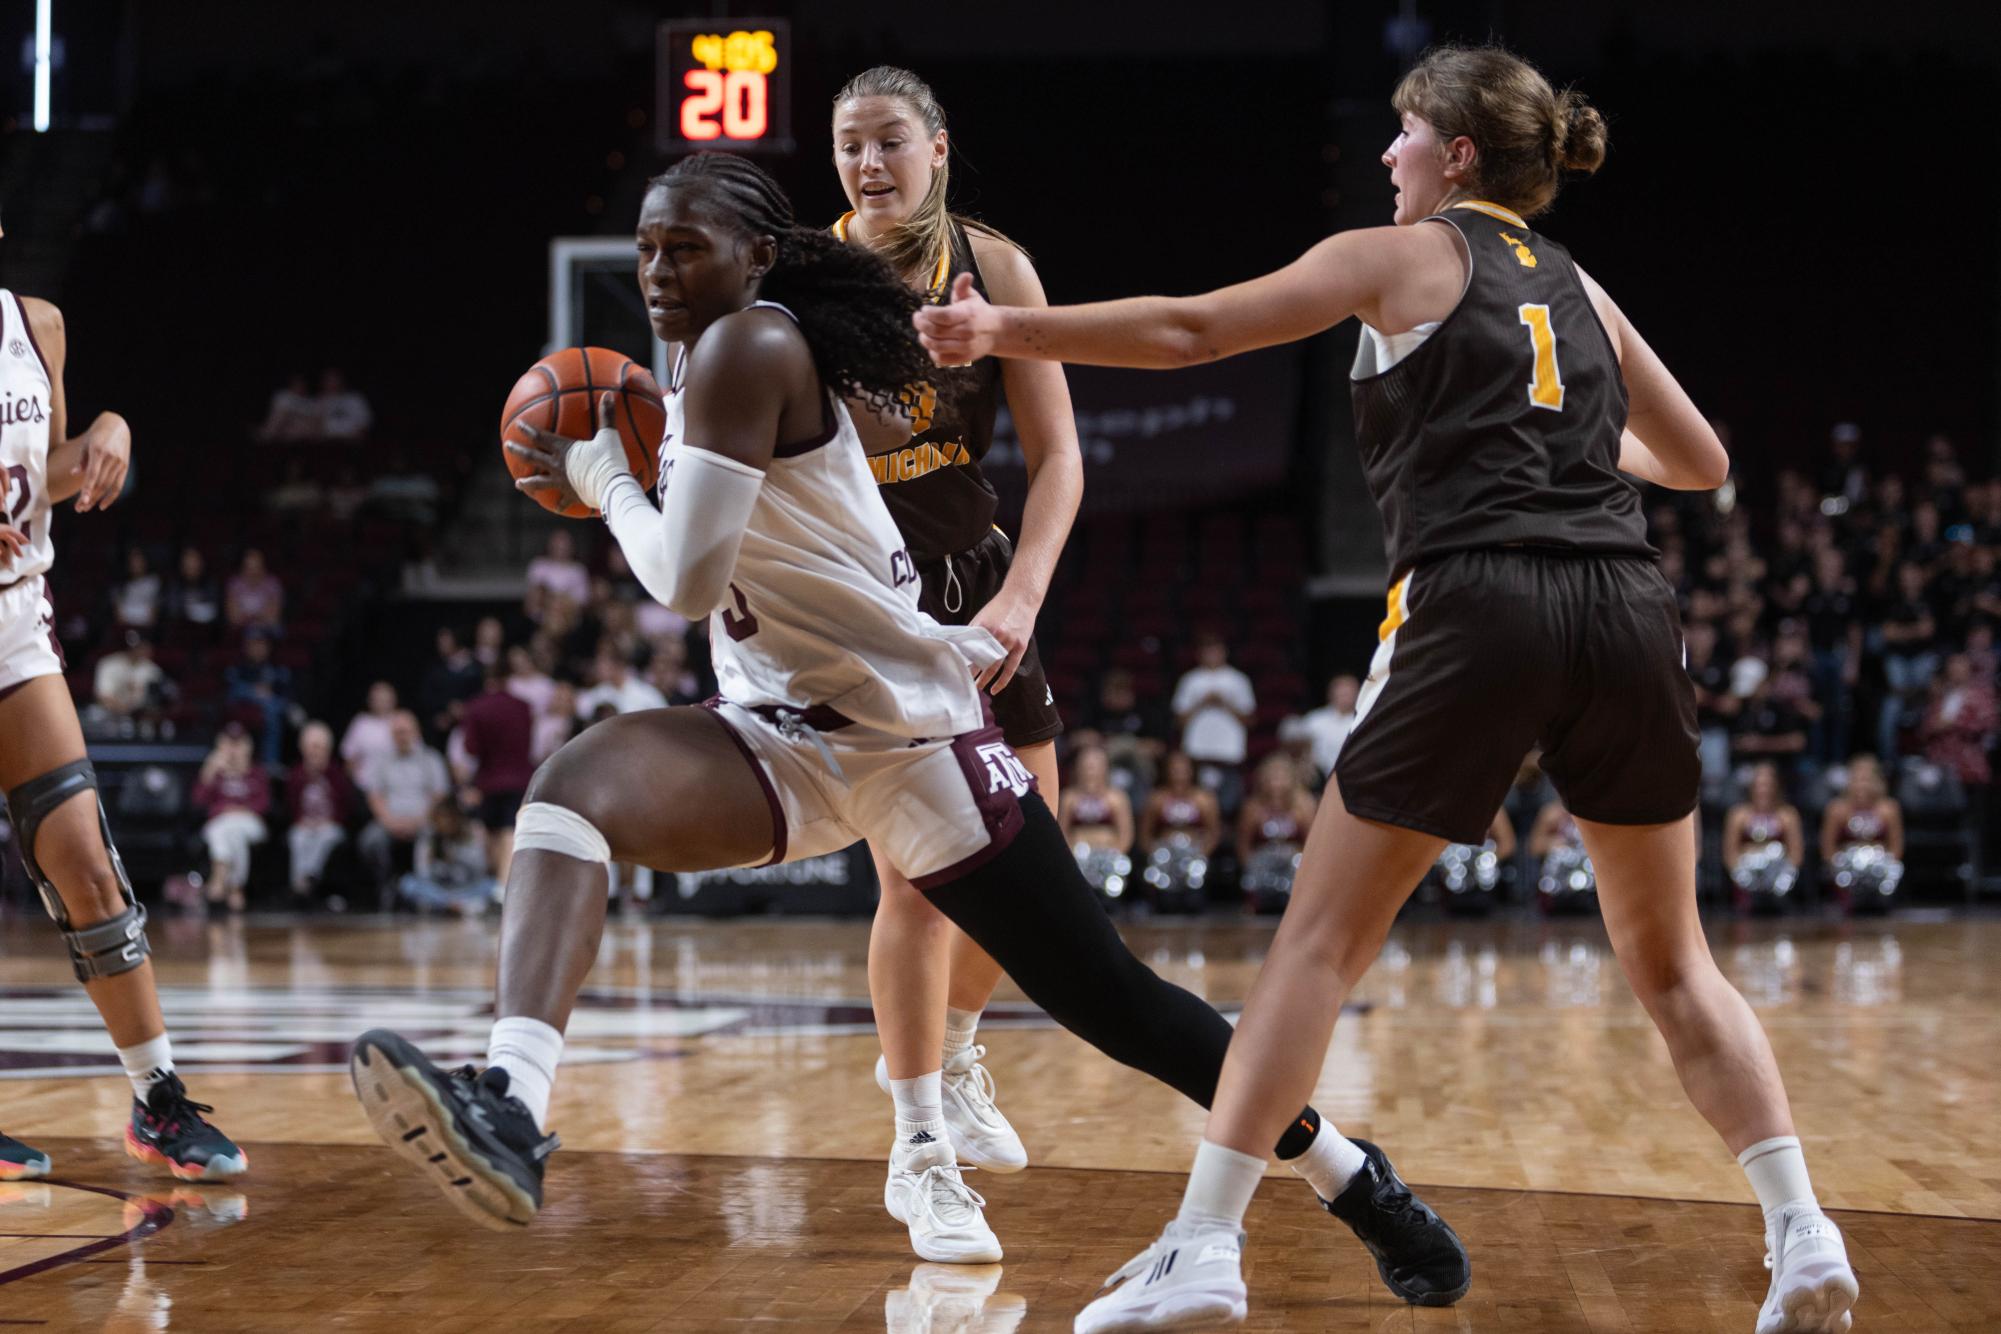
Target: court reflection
(952, 1299)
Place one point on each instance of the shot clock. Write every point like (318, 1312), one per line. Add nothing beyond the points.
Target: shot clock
(725, 84)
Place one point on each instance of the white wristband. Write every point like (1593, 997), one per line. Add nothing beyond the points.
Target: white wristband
(591, 464)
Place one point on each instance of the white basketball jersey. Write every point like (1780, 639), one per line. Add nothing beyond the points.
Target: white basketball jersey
(822, 604)
(27, 410)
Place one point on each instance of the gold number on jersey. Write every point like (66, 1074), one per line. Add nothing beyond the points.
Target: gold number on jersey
(1546, 388)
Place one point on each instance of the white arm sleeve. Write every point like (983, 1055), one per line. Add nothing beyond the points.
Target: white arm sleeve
(683, 553)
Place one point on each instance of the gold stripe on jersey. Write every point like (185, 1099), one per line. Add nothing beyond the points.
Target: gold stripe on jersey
(1396, 613)
(939, 275)
(915, 461)
(1492, 211)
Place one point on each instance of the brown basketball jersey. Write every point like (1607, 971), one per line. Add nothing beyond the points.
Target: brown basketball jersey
(1502, 428)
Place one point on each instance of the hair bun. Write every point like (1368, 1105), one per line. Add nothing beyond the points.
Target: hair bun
(1580, 134)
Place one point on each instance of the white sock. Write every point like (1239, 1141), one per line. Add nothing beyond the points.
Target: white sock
(1330, 1162)
(959, 1028)
(147, 1063)
(529, 1051)
(1777, 1170)
(1220, 1186)
(920, 1110)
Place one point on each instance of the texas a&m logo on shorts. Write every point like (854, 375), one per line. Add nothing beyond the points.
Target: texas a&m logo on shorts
(1005, 771)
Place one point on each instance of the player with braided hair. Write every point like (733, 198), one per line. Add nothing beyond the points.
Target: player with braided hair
(845, 712)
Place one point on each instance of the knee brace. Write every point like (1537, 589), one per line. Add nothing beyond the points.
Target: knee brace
(117, 944)
(542, 826)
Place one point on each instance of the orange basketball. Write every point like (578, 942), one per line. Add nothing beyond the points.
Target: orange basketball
(560, 394)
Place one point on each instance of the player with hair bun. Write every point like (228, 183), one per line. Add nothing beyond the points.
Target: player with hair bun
(1499, 395)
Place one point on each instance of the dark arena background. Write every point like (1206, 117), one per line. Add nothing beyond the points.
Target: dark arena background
(306, 252)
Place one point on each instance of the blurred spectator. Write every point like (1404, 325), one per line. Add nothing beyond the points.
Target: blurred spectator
(193, 599)
(319, 798)
(298, 493)
(1843, 474)
(344, 413)
(1214, 703)
(402, 787)
(669, 673)
(557, 724)
(526, 680)
(450, 872)
(369, 734)
(263, 685)
(135, 600)
(556, 574)
(293, 415)
(1131, 732)
(498, 734)
(1328, 726)
(489, 642)
(1716, 706)
(1090, 810)
(1180, 807)
(1768, 727)
(618, 686)
(127, 684)
(234, 793)
(1834, 630)
(1959, 724)
(1277, 810)
(450, 681)
(255, 597)
(1764, 820)
(1909, 636)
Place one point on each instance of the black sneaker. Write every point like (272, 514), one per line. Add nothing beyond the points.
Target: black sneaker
(1420, 1258)
(19, 1161)
(463, 1130)
(167, 1130)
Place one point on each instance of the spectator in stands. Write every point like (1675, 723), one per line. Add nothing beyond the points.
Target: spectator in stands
(526, 680)
(556, 724)
(1214, 704)
(1180, 807)
(263, 685)
(1762, 819)
(401, 787)
(1909, 636)
(344, 413)
(489, 643)
(1959, 723)
(298, 493)
(293, 414)
(128, 686)
(498, 733)
(1328, 726)
(194, 601)
(255, 597)
(319, 799)
(1131, 732)
(618, 686)
(669, 673)
(234, 793)
(1844, 474)
(370, 733)
(1865, 815)
(135, 599)
(1792, 683)
(1277, 810)
(451, 680)
(1768, 728)
(450, 872)
(1715, 706)
(1090, 810)
(1834, 629)
(556, 573)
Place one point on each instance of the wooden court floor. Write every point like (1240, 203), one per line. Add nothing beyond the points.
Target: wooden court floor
(724, 1137)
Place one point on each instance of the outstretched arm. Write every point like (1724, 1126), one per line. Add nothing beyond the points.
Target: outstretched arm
(1343, 275)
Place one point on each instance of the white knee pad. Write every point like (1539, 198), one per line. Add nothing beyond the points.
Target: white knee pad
(542, 827)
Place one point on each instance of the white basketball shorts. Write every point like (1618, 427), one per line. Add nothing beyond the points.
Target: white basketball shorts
(28, 645)
(935, 809)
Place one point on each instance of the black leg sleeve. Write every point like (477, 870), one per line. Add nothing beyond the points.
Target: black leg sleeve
(1032, 910)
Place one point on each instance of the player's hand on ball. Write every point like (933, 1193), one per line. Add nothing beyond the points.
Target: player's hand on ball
(547, 454)
(107, 455)
(961, 333)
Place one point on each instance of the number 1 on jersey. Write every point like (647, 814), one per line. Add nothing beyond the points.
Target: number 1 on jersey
(1546, 387)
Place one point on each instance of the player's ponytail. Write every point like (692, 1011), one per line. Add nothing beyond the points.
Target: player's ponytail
(1525, 133)
(853, 311)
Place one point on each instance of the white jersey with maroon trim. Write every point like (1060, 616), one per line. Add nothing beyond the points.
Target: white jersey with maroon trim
(822, 605)
(27, 411)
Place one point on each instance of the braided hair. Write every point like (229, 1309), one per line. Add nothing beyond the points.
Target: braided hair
(852, 309)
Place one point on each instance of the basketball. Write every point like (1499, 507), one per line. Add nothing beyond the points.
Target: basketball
(559, 394)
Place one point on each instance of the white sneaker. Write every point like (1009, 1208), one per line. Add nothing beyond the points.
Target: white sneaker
(1812, 1284)
(961, 1299)
(944, 1214)
(1188, 1277)
(980, 1133)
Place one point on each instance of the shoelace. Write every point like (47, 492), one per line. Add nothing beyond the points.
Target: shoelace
(982, 1080)
(944, 1180)
(168, 1120)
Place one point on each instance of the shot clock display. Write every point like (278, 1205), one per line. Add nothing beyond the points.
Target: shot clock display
(725, 84)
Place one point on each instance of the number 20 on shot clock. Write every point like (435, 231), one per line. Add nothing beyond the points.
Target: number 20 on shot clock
(725, 84)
